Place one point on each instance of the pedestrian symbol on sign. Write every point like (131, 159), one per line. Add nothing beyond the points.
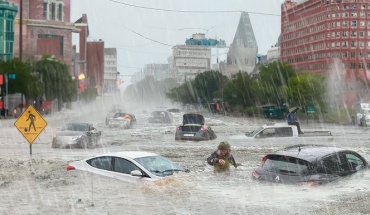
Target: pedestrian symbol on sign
(32, 119)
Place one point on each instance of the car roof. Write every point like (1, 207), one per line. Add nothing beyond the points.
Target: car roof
(128, 154)
(310, 153)
(276, 125)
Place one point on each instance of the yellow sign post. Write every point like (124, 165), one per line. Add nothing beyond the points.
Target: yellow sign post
(30, 124)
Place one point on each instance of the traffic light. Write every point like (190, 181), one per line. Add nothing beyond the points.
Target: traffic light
(1, 79)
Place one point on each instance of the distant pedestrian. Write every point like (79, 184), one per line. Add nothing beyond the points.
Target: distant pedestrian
(222, 158)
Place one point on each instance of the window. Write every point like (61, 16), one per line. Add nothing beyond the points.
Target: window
(354, 23)
(45, 10)
(345, 33)
(344, 44)
(60, 12)
(362, 14)
(353, 54)
(368, 65)
(368, 55)
(124, 166)
(104, 163)
(353, 43)
(362, 34)
(353, 66)
(344, 54)
(362, 23)
(353, 33)
(53, 17)
(354, 14)
(354, 161)
(361, 65)
(362, 44)
(345, 24)
(268, 132)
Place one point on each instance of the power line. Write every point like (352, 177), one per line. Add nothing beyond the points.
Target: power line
(191, 11)
(147, 37)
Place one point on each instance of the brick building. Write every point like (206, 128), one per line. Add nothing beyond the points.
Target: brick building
(317, 33)
(46, 29)
(95, 65)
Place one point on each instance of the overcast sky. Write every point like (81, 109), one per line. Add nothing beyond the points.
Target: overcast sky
(143, 35)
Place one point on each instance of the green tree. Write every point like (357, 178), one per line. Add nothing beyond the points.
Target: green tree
(55, 79)
(239, 91)
(207, 85)
(272, 77)
(25, 82)
(307, 89)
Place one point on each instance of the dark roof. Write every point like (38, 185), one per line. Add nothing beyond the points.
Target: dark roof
(310, 153)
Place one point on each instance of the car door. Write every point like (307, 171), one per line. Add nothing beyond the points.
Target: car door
(122, 170)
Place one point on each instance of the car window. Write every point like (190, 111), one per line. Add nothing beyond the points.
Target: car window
(75, 127)
(354, 161)
(124, 166)
(268, 132)
(333, 164)
(286, 165)
(159, 165)
(101, 163)
(284, 132)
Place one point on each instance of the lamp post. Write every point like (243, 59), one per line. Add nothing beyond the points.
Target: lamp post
(81, 85)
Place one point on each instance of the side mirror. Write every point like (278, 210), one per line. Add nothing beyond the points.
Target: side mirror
(136, 173)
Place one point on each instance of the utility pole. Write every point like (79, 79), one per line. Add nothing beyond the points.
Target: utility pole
(20, 29)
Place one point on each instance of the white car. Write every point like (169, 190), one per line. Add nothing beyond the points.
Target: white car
(129, 166)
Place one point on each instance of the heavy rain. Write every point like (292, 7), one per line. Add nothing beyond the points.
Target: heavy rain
(124, 101)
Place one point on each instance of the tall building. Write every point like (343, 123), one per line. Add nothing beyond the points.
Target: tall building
(190, 60)
(8, 11)
(110, 70)
(317, 33)
(46, 29)
(243, 51)
(95, 65)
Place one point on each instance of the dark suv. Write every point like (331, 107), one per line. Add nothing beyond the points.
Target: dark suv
(309, 164)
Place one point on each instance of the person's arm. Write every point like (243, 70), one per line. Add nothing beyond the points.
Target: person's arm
(232, 161)
(211, 160)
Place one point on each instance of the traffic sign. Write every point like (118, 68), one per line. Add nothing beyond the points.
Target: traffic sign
(30, 124)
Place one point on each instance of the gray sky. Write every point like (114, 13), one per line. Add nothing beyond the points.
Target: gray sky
(144, 36)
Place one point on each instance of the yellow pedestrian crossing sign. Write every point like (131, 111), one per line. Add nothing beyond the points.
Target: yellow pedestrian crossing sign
(30, 124)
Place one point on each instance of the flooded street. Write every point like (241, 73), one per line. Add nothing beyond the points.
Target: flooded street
(40, 184)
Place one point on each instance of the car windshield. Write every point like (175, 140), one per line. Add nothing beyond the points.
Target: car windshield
(75, 127)
(159, 166)
(286, 165)
(253, 133)
(158, 114)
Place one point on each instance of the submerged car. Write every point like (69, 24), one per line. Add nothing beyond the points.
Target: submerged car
(128, 166)
(76, 135)
(309, 165)
(112, 111)
(160, 117)
(193, 128)
(121, 119)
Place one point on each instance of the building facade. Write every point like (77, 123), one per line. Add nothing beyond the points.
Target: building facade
(95, 65)
(110, 71)
(243, 51)
(190, 60)
(46, 29)
(8, 12)
(318, 34)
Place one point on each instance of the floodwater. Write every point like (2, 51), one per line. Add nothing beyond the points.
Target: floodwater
(40, 184)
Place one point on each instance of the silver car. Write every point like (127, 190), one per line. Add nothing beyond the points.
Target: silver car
(76, 135)
(129, 166)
